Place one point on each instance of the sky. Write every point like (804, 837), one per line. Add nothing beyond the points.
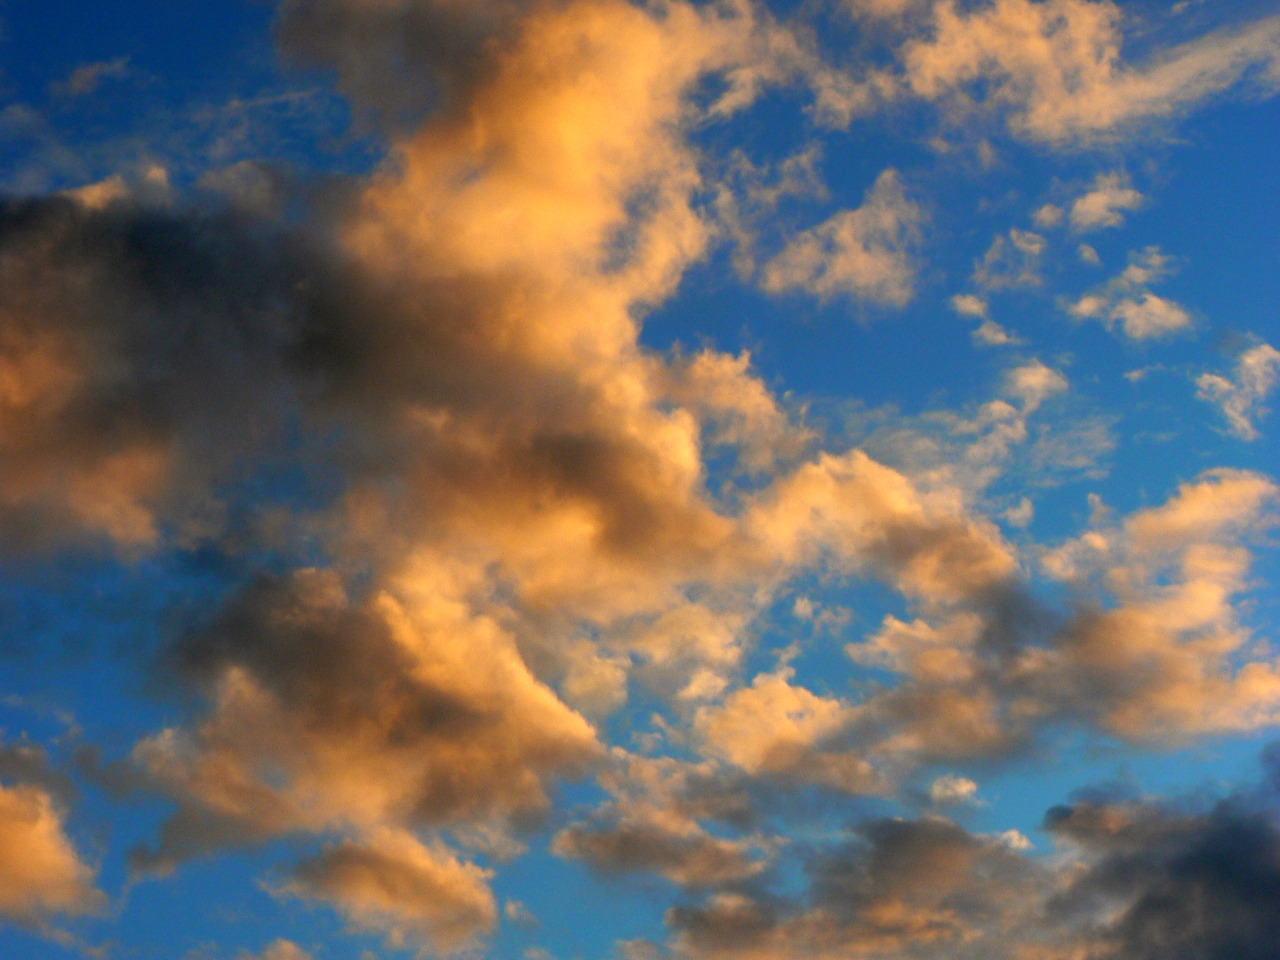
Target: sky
(610, 480)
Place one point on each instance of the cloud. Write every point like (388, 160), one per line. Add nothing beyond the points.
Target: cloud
(1126, 300)
(1167, 659)
(457, 732)
(41, 873)
(1132, 879)
(500, 520)
(991, 334)
(1241, 400)
(86, 78)
(1176, 881)
(924, 888)
(969, 305)
(1048, 216)
(1011, 262)
(279, 950)
(779, 730)
(656, 822)
(419, 897)
(863, 253)
(950, 790)
(1054, 69)
(1105, 203)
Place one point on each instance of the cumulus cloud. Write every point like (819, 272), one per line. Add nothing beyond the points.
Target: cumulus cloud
(863, 253)
(1132, 879)
(969, 305)
(1127, 300)
(505, 522)
(1011, 261)
(434, 707)
(41, 873)
(655, 824)
(777, 729)
(1105, 203)
(898, 887)
(419, 897)
(991, 334)
(1242, 399)
(1164, 659)
(950, 790)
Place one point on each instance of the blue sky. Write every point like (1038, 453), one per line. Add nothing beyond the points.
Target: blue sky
(557, 479)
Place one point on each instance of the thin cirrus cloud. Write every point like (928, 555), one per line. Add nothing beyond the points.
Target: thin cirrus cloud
(498, 581)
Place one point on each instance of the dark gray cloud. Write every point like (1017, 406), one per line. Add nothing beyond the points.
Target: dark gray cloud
(1192, 884)
(1132, 880)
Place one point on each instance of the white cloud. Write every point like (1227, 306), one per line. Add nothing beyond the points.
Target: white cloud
(1105, 203)
(953, 790)
(991, 334)
(1126, 300)
(1241, 398)
(863, 253)
(1011, 261)
(969, 305)
(1055, 67)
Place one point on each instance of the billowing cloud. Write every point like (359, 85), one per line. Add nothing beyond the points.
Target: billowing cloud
(923, 888)
(1241, 399)
(654, 824)
(1133, 880)
(419, 897)
(41, 873)
(471, 527)
(392, 710)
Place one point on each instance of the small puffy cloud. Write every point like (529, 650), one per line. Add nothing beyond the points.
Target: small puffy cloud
(1033, 383)
(1021, 514)
(991, 334)
(1048, 216)
(1011, 261)
(969, 305)
(1105, 203)
(863, 253)
(419, 897)
(41, 873)
(1147, 316)
(951, 790)
(1126, 301)
(1089, 255)
(279, 950)
(1241, 398)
